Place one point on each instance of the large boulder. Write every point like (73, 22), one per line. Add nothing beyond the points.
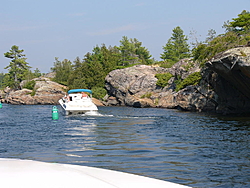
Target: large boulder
(234, 66)
(188, 99)
(230, 80)
(129, 84)
(20, 97)
(136, 86)
(45, 92)
(184, 68)
(224, 87)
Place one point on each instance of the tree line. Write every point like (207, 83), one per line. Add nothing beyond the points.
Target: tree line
(90, 71)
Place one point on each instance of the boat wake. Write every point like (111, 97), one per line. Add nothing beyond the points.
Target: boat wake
(95, 113)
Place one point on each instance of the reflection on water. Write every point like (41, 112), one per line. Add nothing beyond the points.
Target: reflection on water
(188, 148)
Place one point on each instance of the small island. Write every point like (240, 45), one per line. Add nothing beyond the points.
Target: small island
(213, 76)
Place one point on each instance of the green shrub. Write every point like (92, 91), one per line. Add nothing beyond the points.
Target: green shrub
(243, 53)
(33, 93)
(163, 79)
(99, 92)
(146, 95)
(166, 64)
(192, 79)
(204, 52)
(156, 102)
(188, 66)
(30, 85)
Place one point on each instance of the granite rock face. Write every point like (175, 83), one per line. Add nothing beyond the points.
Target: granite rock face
(224, 88)
(129, 84)
(234, 66)
(230, 79)
(136, 86)
(45, 92)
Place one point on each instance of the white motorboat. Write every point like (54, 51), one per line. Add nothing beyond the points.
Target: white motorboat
(29, 174)
(78, 102)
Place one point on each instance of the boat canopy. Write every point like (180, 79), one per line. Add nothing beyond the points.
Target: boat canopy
(79, 90)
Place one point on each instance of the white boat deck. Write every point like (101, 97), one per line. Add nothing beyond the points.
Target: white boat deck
(33, 174)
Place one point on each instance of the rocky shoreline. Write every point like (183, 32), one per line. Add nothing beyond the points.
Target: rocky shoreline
(45, 92)
(223, 88)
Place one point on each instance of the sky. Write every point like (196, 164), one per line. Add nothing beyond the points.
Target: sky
(46, 29)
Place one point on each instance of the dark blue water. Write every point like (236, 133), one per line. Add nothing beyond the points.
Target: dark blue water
(188, 148)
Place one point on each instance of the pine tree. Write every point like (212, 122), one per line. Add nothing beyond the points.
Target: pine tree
(133, 52)
(176, 48)
(240, 24)
(127, 50)
(1, 80)
(18, 66)
(62, 70)
(76, 78)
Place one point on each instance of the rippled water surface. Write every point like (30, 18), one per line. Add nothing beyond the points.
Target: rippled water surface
(187, 148)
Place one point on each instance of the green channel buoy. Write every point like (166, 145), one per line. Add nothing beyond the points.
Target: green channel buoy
(55, 114)
(1, 105)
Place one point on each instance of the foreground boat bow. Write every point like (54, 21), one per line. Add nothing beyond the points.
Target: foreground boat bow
(30, 174)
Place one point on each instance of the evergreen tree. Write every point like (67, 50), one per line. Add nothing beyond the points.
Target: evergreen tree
(17, 67)
(176, 48)
(109, 58)
(132, 52)
(62, 70)
(211, 35)
(127, 50)
(98, 64)
(37, 73)
(28, 75)
(142, 52)
(1, 80)
(93, 69)
(91, 72)
(77, 77)
(238, 33)
(240, 24)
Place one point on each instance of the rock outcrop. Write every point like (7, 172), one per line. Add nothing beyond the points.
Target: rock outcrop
(136, 86)
(45, 92)
(224, 87)
(130, 84)
(230, 79)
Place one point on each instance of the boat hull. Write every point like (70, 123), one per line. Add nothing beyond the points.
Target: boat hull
(77, 107)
